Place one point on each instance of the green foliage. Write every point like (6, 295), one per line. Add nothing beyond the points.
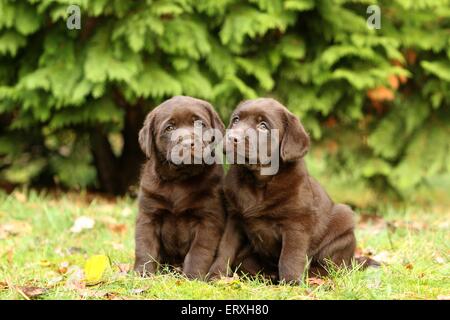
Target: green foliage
(380, 97)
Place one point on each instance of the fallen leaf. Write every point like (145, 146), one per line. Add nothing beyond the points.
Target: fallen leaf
(316, 281)
(82, 223)
(118, 227)
(94, 268)
(31, 292)
(409, 266)
(75, 279)
(114, 296)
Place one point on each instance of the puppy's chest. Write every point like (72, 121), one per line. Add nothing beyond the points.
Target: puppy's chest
(176, 235)
(259, 215)
(178, 201)
(252, 203)
(264, 236)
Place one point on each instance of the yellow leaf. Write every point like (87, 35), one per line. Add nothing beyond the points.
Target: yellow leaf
(94, 268)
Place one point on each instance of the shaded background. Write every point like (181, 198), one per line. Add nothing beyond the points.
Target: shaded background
(375, 102)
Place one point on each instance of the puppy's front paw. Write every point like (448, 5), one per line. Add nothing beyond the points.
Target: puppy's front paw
(217, 271)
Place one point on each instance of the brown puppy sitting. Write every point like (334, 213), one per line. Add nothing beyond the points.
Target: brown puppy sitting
(181, 216)
(276, 221)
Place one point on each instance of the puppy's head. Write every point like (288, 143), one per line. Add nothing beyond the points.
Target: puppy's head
(172, 131)
(266, 116)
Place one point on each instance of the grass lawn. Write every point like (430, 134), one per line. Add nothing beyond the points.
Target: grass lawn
(41, 257)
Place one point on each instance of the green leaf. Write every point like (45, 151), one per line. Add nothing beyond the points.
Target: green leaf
(440, 68)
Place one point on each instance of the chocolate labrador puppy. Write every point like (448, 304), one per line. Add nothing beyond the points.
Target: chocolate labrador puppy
(277, 222)
(181, 215)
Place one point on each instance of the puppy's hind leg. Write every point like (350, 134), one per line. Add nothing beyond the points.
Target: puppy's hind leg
(338, 246)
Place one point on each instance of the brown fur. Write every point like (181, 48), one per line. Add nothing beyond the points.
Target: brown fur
(276, 222)
(181, 215)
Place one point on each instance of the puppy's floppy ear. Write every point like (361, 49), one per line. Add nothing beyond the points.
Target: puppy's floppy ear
(146, 134)
(295, 142)
(216, 122)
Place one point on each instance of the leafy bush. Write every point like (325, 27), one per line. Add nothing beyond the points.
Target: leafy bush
(72, 101)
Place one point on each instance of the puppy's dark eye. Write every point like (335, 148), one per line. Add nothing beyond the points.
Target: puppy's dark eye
(263, 126)
(169, 128)
(235, 120)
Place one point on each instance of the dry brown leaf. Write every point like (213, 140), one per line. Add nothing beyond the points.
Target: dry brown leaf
(313, 281)
(409, 266)
(75, 280)
(119, 228)
(31, 292)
